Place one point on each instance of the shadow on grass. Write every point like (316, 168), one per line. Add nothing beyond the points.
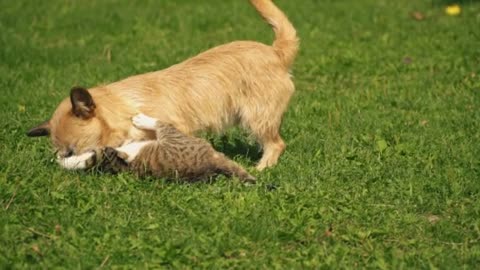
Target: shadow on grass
(233, 147)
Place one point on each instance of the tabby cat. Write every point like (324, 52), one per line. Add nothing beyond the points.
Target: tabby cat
(172, 155)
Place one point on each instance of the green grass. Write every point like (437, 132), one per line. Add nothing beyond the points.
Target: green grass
(382, 167)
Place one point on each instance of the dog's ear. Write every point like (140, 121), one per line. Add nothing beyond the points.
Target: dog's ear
(41, 130)
(82, 103)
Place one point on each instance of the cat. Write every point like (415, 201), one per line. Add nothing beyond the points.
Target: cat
(172, 155)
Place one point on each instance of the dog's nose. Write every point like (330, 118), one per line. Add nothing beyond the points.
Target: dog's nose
(65, 154)
(69, 153)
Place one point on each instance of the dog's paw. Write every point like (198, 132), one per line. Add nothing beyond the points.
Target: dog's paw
(144, 122)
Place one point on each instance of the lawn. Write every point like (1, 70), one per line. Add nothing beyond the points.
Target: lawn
(382, 167)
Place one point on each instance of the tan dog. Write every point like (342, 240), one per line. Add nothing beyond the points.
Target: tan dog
(243, 82)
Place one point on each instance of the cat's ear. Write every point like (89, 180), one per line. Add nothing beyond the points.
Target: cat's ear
(41, 130)
(83, 105)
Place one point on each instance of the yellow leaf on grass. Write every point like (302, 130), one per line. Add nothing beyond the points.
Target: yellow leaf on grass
(453, 10)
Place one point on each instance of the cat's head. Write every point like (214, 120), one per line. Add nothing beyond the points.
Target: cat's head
(75, 127)
(113, 161)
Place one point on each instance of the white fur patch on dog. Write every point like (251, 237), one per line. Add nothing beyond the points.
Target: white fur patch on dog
(142, 121)
(75, 162)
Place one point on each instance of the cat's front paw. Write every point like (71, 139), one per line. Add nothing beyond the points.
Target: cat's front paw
(142, 121)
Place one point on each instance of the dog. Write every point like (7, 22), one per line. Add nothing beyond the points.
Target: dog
(243, 83)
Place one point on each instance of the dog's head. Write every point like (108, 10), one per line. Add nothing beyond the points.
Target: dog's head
(75, 126)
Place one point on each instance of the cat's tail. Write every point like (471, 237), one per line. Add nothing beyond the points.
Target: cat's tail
(230, 168)
(286, 42)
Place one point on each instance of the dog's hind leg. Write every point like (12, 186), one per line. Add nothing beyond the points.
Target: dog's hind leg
(267, 134)
(264, 119)
(273, 146)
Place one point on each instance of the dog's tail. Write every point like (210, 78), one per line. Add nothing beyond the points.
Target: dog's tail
(286, 41)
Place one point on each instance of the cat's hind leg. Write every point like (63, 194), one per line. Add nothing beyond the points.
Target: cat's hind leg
(163, 129)
(143, 121)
